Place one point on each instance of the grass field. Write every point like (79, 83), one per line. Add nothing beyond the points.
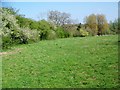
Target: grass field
(81, 62)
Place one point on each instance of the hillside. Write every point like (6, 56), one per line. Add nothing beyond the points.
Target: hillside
(83, 62)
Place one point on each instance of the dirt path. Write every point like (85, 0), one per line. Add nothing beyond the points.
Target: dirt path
(11, 52)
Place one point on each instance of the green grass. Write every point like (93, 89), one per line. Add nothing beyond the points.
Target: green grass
(81, 62)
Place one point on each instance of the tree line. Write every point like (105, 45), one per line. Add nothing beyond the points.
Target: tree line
(16, 29)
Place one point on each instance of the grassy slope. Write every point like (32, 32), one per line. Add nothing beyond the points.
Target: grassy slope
(72, 62)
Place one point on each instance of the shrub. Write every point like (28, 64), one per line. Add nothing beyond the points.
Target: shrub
(70, 30)
(83, 33)
(66, 34)
(6, 42)
(9, 29)
(29, 36)
(51, 35)
(44, 28)
(76, 33)
(6, 38)
(60, 32)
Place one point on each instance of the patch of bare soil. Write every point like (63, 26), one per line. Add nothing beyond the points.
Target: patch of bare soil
(11, 52)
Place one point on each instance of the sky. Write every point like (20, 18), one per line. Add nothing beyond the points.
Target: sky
(60, 0)
(78, 10)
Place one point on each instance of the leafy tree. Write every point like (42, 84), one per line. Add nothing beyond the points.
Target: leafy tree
(97, 24)
(60, 32)
(91, 22)
(44, 28)
(10, 10)
(34, 25)
(102, 24)
(113, 26)
(23, 22)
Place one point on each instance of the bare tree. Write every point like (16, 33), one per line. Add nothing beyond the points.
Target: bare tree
(59, 18)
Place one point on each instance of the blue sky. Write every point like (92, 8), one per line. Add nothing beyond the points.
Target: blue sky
(78, 10)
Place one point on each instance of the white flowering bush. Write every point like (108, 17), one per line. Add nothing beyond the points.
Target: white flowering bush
(29, 36)
(11, 33)
(9, 29)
